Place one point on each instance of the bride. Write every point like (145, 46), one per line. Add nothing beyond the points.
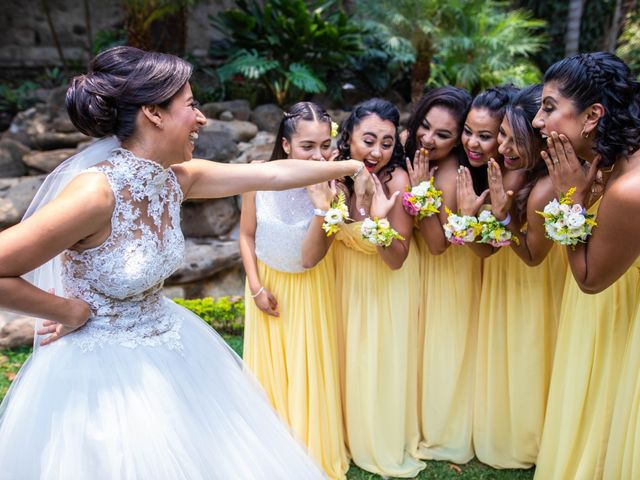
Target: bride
(125, 384)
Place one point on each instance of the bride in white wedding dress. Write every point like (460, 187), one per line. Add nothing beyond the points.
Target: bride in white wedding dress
(126, 384)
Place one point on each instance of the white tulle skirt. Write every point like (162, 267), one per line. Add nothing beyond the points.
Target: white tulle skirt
(145, 413)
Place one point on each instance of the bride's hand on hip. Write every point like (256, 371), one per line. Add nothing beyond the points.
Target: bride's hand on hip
(79, 313)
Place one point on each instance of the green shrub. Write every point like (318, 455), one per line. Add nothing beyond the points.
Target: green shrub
(292, 47)
(16, 99)
(225, 314)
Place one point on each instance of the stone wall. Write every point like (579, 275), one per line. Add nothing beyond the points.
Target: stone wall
(26, 39)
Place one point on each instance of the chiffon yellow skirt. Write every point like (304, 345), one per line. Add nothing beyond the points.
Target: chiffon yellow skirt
(295, 357)
(623, 452)
(517, 327)
(449, 313)
(378, 337)
(591, 343)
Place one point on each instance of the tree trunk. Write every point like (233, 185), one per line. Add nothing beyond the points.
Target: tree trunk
(620, 12)
(421, 70)
(572, 34)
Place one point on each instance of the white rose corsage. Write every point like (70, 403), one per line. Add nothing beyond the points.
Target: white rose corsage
(565, 223)
(379, 231)
(461, 229)
(336, 215)
(422, 200)
(493, 232)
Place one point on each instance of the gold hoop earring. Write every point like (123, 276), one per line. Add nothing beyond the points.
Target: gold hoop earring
(584, 134)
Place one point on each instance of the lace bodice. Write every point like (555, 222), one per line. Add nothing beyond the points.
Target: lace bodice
(282, 220)
(122, 278)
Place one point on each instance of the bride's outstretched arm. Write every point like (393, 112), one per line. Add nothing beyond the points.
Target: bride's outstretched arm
(81, 212)
(206, 179)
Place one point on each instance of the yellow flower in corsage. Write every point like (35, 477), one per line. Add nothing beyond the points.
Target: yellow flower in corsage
(379, 231)
(566, 223)
(336, 215)
(422, 200)
(461, 229)
(493, 232)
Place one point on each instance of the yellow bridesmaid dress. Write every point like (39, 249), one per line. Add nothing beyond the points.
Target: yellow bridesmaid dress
(623, 452)
(517, 327)
(449, 314)
(378, 338)
(295, 356)
(591, 343)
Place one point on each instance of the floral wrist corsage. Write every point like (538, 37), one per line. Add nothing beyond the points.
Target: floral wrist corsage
(461, 229)
(493, 232)
(379, 231)
(336, 215)
(565, 223)
(422, 200)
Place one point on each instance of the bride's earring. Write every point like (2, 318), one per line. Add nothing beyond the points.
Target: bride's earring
(584, 134)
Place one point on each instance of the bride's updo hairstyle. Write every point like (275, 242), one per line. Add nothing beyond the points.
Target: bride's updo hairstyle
(105, 101)
(603, 78)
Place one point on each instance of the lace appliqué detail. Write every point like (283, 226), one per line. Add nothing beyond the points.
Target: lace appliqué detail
(122, 278)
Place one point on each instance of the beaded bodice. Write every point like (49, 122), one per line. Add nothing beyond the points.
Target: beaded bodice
(282, 220)
(122, 278)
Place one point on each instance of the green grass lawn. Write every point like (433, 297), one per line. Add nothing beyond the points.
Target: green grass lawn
(11, 360)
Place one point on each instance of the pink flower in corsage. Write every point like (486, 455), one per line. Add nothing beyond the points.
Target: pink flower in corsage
(422, 200)
(565, 223)
(461, 229)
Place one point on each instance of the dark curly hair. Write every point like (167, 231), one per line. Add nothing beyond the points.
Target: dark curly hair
(386, 111)
(495, 101)
(288, 125)
(601, 77)
(106, 100)
(455, 100)
(520, 112)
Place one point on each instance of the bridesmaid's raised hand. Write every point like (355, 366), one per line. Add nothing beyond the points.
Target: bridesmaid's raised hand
(322, 194)
(381, 205)
(468, 202)
(500, 200)
(419, 171)
(565, 169)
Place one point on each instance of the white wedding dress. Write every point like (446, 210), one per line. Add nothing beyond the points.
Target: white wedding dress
(145, 390)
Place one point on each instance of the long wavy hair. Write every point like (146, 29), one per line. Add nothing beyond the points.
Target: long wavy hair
(455, 100)
(386, 111)
(601, 77)
(495, 101)
(520, 112)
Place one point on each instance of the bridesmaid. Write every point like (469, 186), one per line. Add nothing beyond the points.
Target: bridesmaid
(290, 338)
(378, 303)
(590, 113)
(520, 305)
(449, 280)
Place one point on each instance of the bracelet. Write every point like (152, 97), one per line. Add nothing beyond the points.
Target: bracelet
(566, 223)
(318, 212)
(506, 221)
(258, 292)
(379, 232)
(360, 168)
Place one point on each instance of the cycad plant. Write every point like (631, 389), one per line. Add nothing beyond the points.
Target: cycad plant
(467, 43)
(290, 46)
